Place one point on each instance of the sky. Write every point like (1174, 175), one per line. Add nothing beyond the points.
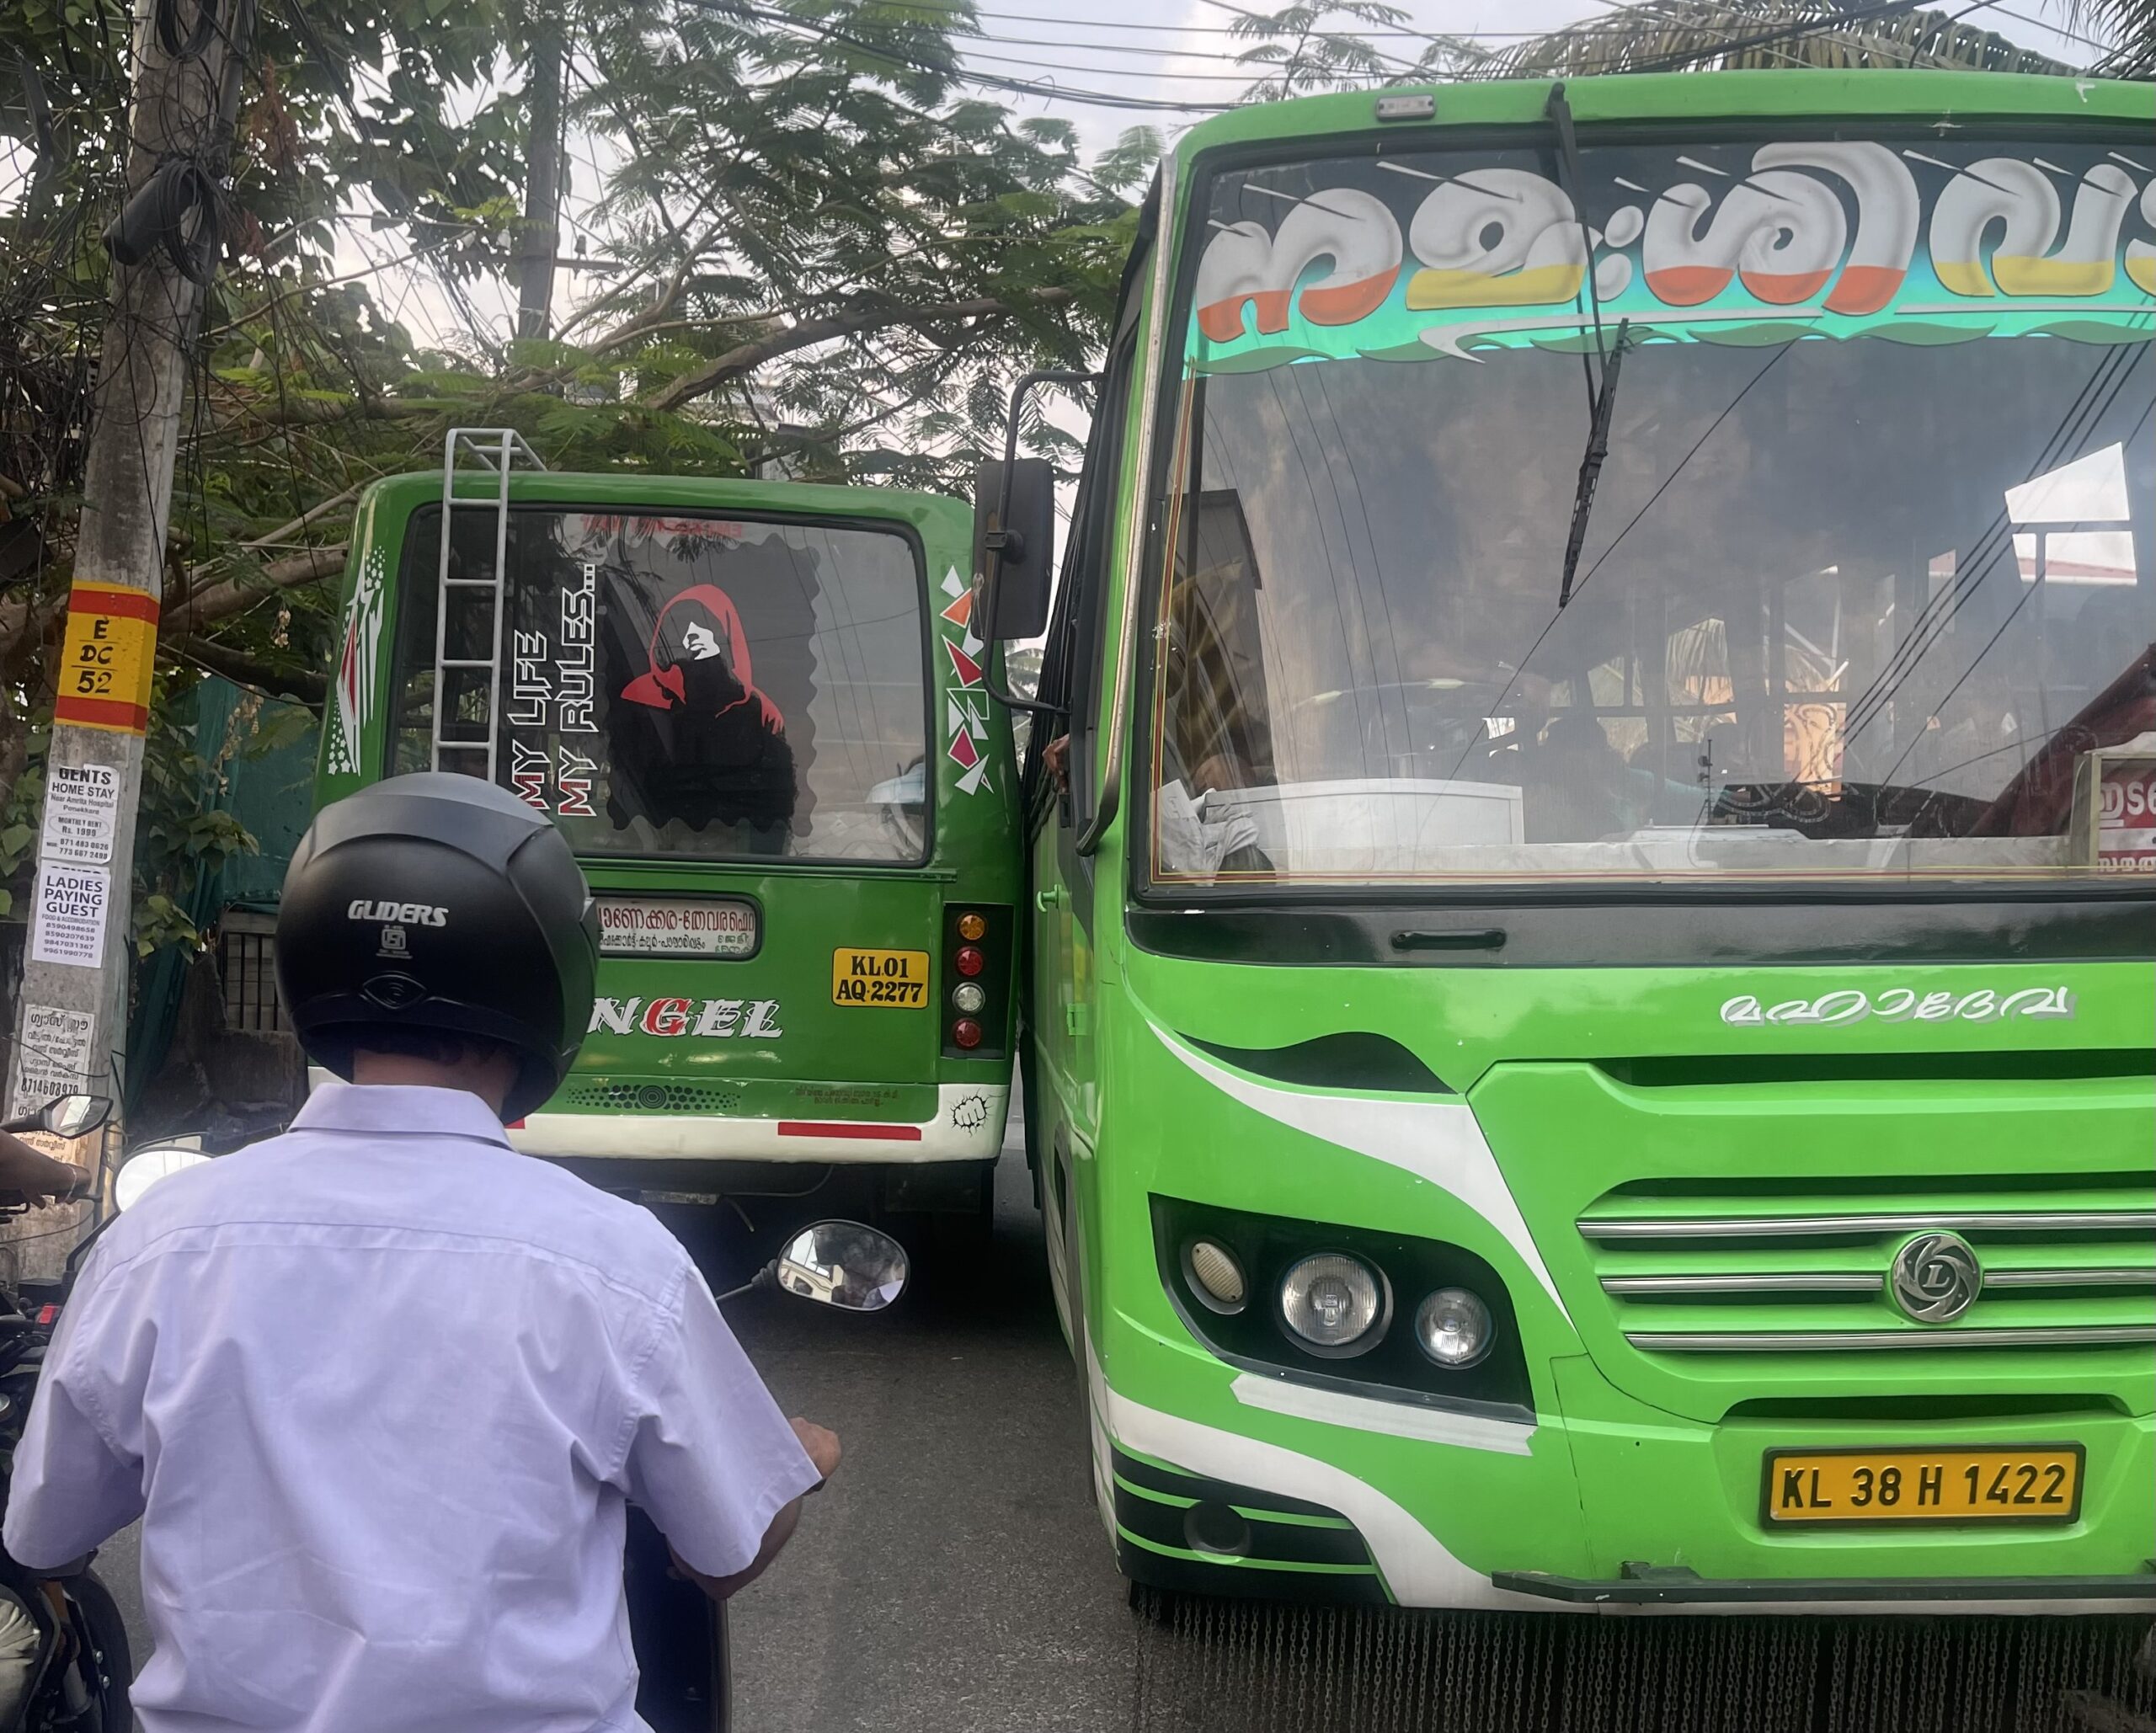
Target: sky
(1169, 51)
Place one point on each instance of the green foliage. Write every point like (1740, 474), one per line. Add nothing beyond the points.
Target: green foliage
(1311, 47)
(179, 840)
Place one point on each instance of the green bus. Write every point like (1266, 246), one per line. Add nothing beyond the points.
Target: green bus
(1590, 1000)
(757, 710)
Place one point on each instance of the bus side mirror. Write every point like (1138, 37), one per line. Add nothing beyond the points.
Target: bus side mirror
(1014, 545)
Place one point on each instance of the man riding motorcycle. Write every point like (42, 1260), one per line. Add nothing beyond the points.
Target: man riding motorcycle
(380, 1388)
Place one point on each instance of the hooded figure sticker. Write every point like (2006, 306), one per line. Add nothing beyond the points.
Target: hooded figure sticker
(703, 687)
(694, 738)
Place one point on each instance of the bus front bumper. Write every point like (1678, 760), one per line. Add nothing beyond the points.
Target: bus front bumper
(1604, 1506)
(1685, 1590)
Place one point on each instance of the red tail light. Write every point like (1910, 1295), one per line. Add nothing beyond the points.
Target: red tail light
(977, 953)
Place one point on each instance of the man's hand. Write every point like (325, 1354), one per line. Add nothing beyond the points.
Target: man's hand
(1056, 755)
(38, 1178)
(821, 1443)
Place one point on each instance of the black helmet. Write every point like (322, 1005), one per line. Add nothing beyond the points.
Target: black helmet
(438, 902)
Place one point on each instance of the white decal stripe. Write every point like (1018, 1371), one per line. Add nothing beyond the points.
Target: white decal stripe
(1419, 1570)
(1439, 1141)
(1370, 1414)
(1418, 1567)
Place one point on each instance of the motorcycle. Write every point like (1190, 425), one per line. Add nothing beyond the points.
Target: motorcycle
(678, 1632)
(73, 1654)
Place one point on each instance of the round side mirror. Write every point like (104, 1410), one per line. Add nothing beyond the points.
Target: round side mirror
(147, 1168)
(843, 1264)
(74, 1115)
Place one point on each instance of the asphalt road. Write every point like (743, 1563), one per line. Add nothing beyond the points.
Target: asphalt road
(954, 1575)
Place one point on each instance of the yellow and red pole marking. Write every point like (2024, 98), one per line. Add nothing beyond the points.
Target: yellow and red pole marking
(108, 658)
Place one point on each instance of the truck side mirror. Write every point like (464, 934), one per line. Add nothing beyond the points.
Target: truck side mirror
(1014, 545)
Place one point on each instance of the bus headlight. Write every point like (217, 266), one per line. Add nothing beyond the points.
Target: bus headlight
(1331, 1302)
(1453, 1329)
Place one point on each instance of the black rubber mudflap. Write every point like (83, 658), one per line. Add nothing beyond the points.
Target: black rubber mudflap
(1258, 1668)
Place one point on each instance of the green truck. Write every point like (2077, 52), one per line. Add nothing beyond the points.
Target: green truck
(1591, 1001)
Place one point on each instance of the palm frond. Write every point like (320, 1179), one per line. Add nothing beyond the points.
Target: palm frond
(1669, 35)
(2128, 26)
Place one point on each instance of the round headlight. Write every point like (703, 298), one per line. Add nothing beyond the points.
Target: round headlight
(968, 997)
(1216, 1276)
(1453, 1327)
(1332, 1302)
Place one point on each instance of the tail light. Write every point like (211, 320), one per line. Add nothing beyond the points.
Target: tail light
(976, 997)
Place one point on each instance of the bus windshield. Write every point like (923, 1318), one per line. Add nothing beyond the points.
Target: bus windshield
(1868, 569)
(690, 686)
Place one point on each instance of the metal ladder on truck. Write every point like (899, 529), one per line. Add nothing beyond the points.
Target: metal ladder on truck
(495, 451)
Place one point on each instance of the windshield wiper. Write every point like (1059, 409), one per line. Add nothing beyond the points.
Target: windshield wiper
(1602, 382)
(1598, 449)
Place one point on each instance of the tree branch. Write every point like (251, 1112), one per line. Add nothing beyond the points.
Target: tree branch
(746, 357)
(220, 601)
(309, 687)
(313, 412)
(284, 532)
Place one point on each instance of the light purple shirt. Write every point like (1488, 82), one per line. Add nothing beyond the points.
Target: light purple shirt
(379, 1389)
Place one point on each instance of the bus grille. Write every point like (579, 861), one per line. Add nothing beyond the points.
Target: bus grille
(1701, 1268)
(653, 1097)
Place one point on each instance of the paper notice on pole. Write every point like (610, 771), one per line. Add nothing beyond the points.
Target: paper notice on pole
(56, 1047)
(82, 808)
(71, 909)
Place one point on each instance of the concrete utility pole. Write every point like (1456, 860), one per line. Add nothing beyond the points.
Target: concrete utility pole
(71, 1029)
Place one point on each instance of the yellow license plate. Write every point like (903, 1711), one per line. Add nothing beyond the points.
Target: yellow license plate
(897, 978)
(2038, 1484)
